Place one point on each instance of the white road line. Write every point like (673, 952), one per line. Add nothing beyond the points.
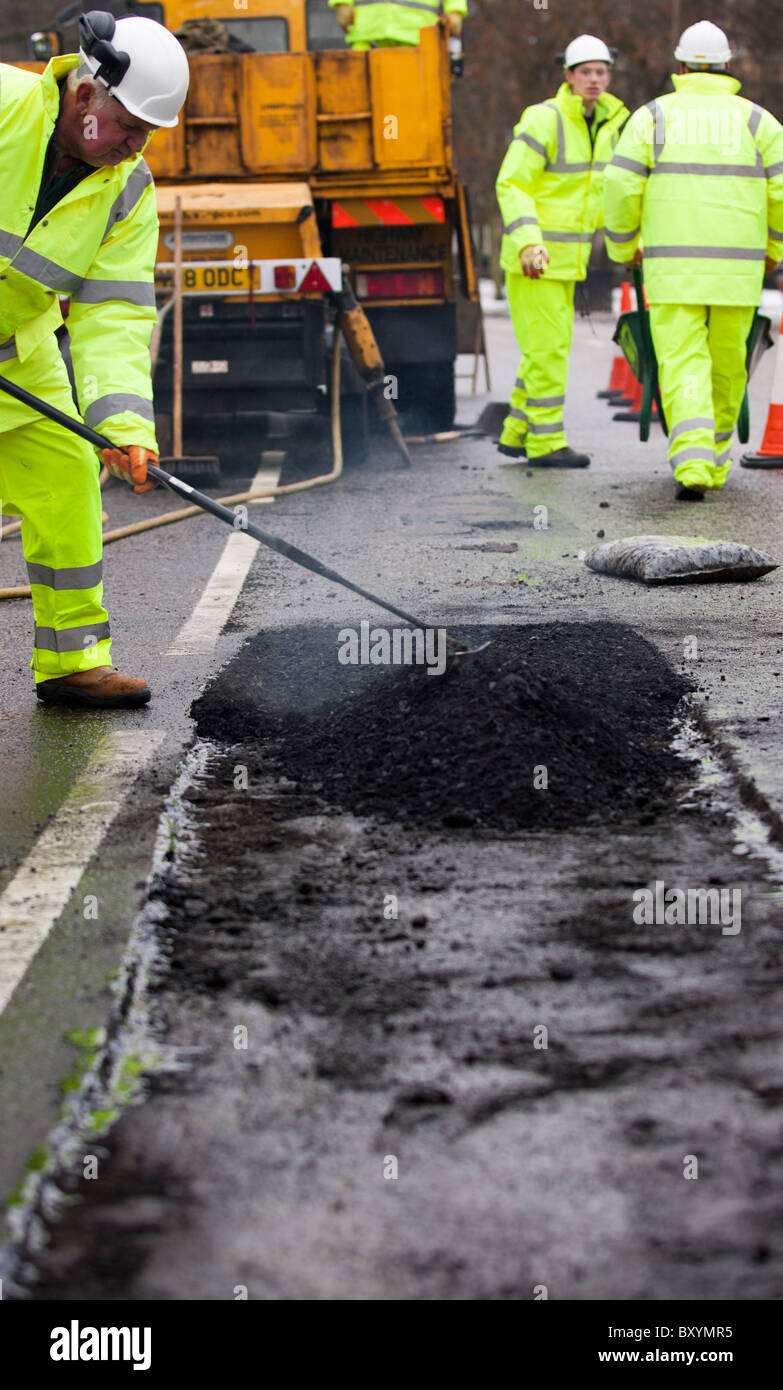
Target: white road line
(43, 883)
(201, 630)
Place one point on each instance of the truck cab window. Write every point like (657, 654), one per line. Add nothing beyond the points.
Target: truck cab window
(323, 31)
(266, 35)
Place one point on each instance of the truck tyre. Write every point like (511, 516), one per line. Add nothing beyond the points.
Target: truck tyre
(164, 433)
(200, 470)
(426, 396)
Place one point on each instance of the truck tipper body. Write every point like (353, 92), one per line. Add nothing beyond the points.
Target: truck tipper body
(297, 161)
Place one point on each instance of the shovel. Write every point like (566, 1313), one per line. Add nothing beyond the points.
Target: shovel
(232, 519)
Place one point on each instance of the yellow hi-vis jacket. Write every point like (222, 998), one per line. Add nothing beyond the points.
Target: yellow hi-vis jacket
(697, 180)
(97, 245)
(395, 22)
(550, 182)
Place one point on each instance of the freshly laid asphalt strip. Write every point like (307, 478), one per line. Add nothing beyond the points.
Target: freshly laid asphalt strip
(550, 726)
(410, 1035)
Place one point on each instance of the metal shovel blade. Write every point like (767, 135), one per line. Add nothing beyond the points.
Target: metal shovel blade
(467, 651)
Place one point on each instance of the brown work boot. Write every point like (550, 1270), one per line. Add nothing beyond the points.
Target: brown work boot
(559, 458)
(102, 687)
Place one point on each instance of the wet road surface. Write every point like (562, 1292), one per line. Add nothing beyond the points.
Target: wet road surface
(371, 1038)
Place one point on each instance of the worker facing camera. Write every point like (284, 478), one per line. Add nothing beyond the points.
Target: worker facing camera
(549, 192)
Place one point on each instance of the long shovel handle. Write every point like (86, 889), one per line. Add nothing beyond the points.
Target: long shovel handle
(238, 522)
(235, 520)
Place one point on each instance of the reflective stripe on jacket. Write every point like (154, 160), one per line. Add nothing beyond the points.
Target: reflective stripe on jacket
(395, 21)
(550, 182)
(697, 179)
(97, 245)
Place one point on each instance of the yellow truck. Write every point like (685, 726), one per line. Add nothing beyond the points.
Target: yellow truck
(297, 162)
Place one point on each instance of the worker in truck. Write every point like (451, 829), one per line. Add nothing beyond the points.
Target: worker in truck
(697, 182)
(549, 191)
(394, 23)
(78, 218)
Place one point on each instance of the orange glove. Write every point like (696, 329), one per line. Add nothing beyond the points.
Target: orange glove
(130, 464)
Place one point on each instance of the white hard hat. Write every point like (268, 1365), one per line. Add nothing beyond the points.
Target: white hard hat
(140, 63)
(703, 43)
(587, 49)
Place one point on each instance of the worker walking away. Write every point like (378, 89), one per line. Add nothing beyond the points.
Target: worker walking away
(395, 23)
(696, 187)
(78, 218)
(549, 191)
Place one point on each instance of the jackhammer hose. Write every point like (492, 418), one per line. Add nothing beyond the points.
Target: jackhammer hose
(182, 513)
(367, 359)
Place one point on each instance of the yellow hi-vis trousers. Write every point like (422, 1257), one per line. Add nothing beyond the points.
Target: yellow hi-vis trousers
(49, 478)
(701, 368)
(542, 313)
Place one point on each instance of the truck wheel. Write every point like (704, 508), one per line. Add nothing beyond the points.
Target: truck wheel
(200, 470)
(426, 396)
(164, 434)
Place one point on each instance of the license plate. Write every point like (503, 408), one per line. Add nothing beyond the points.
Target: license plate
(209, 279)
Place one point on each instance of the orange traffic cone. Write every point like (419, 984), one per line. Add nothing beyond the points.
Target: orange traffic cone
(618, 376)
(770, 454)
(626, 399)
(633, 411)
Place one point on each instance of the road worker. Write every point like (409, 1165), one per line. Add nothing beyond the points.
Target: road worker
(78, 218)
(696, 187)
(392, 23)
(549, 191)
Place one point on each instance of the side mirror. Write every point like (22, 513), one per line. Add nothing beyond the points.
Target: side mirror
(43, 45)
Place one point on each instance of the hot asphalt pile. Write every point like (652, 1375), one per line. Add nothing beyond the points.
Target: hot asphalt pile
(552, 726)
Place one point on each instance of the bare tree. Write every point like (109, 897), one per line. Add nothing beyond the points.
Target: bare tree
(512, 48)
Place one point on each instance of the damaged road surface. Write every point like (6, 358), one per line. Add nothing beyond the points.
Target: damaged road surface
(447, 1023)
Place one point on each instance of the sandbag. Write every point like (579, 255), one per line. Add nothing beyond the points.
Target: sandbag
(679, 560)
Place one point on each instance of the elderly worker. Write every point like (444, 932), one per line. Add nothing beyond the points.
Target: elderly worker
(78, 218)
